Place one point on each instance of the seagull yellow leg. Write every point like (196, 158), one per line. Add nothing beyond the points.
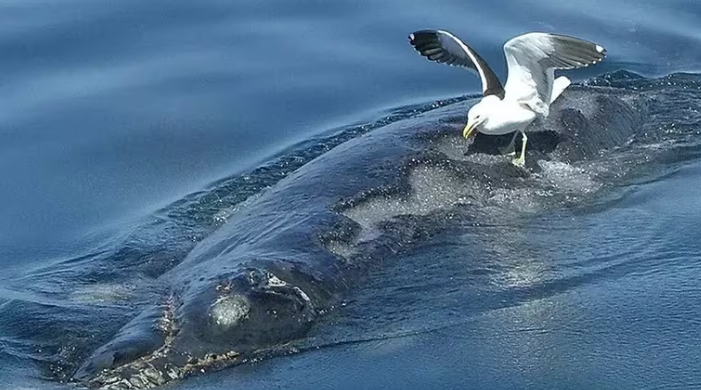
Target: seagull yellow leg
(509, 150)
(521, 160)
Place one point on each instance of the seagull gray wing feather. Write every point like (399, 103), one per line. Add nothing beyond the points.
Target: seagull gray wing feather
(532, 59)
(443, 47)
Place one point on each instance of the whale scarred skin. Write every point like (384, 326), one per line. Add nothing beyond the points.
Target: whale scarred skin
(286, 258)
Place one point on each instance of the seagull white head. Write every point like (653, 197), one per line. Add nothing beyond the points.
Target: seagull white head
(479, 114)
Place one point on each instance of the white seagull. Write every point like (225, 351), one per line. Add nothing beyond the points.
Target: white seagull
(531, 86)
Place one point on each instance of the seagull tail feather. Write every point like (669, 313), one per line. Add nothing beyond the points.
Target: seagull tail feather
(559, 86)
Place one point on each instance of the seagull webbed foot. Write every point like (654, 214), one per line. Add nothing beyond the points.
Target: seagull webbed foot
(519, 162)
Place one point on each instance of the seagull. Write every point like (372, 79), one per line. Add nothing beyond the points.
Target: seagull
(530, 88)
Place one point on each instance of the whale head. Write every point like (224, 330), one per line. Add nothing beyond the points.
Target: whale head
(210, 326)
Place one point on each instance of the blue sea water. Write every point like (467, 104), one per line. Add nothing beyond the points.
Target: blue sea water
(113, 111)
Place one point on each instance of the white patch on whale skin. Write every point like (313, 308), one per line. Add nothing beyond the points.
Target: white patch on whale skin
(229, 310)
(431, 189)
(274, 281)
(437, 188)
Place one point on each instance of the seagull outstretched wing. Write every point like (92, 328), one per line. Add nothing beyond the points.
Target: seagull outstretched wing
(444, 47)
(532, 59)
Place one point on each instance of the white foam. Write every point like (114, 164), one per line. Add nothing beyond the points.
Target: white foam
(522, 200)
(340, 249)
(103, 293)
(567, 178)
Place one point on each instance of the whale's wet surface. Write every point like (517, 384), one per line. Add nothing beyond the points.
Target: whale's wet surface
(417, 239)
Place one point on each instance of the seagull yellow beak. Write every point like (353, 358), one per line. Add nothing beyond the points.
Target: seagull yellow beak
(469, 129)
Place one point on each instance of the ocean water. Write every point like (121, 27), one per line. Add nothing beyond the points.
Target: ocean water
(119, 118)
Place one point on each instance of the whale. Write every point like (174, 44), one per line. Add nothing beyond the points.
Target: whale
(288, 256)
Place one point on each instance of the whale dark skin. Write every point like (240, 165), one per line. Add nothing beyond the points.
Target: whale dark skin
(290, 254)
